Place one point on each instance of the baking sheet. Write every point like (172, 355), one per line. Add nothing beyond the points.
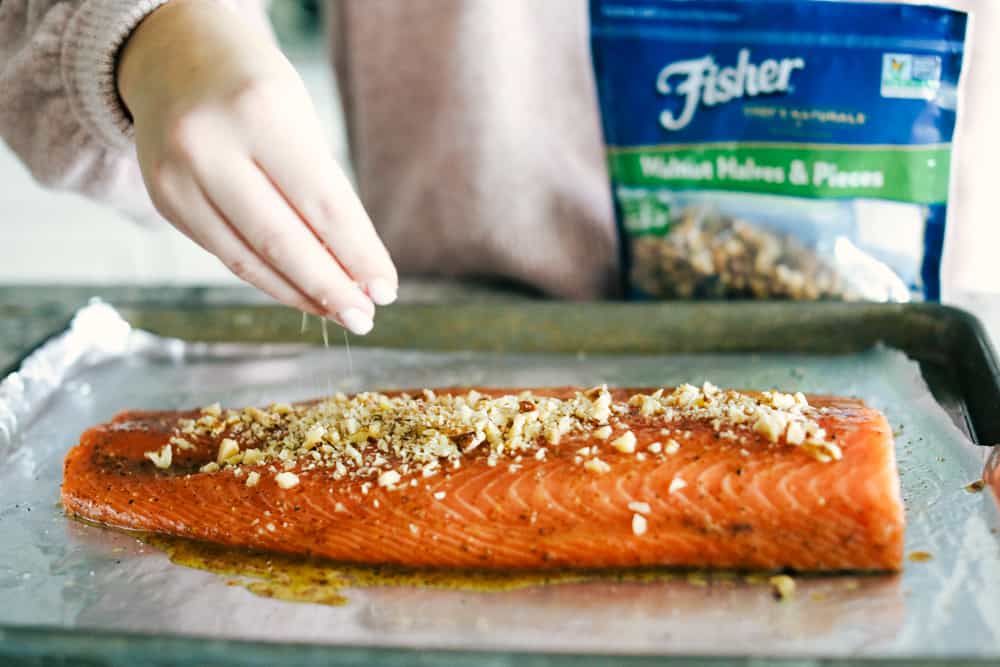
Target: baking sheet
(57, 572)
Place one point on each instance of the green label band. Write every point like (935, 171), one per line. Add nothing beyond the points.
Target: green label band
(913, 174)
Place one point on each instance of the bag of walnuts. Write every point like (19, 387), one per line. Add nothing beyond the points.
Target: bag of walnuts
(779, 149)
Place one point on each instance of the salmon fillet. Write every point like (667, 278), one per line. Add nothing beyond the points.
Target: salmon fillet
(688, 477)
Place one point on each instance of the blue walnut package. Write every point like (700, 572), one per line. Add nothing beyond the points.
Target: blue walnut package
(779, 149)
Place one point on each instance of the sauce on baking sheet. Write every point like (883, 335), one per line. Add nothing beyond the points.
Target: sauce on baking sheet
(317, 581)
(299, 579)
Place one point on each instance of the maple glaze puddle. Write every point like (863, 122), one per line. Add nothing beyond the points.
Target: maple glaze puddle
(302, 579)
(297, 578)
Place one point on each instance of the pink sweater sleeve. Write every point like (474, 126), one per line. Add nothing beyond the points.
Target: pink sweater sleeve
(59, 107)
(476, 138)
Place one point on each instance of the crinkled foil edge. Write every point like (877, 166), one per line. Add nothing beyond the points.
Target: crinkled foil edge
(99, 333)
(96, 334)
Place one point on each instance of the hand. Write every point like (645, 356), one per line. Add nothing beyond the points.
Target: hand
(234, 156)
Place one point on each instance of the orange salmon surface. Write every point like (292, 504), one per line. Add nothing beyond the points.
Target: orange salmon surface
(512, 479)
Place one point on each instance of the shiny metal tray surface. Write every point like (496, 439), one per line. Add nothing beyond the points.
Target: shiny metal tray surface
(75, 590)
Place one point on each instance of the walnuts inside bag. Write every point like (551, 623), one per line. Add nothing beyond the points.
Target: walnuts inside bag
(779, 149)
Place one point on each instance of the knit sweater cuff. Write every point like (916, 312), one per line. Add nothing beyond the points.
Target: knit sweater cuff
(90, 47)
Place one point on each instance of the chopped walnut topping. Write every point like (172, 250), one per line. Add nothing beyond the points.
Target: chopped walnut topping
(161, 459)
(770, 425)
(624, 443)
(439, 495)
(372, 436)
(389, 478)
(783, 586)
(676, 484)
(209, 467)
(286, 480)
(229, 451)
(672, 447)
(770, 415)
(596, 466)
(359, 436)
(639, 524)
(600, 409)
(314, 436)
(639, 508)
(648, 404)
(253, 478)
(795, 434)
(181, 443)
(253, 457)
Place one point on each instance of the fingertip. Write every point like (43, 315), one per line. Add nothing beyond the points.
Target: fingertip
(381, 291)
(355, 321)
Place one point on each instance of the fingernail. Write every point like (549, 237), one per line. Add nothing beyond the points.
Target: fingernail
(355, 321)
(381, 291)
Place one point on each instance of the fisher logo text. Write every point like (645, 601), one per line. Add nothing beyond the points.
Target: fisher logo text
(702, 81)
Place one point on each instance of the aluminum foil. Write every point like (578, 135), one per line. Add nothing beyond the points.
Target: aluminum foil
(61, 573)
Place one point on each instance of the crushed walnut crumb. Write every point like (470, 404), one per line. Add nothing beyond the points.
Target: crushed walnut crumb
(162, 458)
(639, 524)
(639, 508)
(597, 466)
(389, 478)
(229, 452)
(783, 586)
(357, 436)
(975, 487)
(777, 416)
(286, 480)
(625, 443)
(376, 438)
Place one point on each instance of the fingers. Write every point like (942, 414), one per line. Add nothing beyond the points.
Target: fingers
(192, 214)
(246, 198)
(316, 188)
(255, 187)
